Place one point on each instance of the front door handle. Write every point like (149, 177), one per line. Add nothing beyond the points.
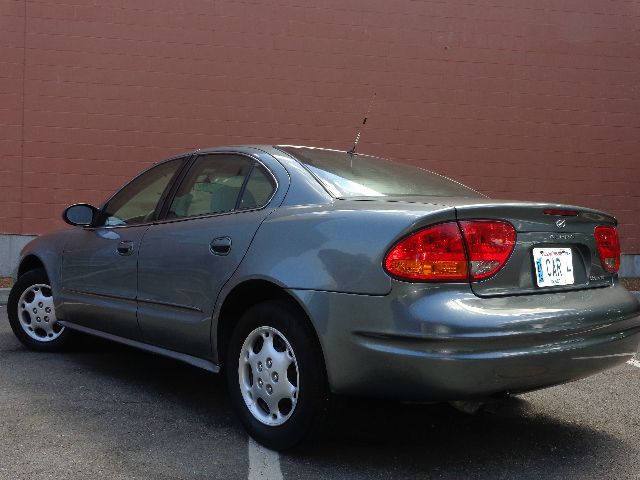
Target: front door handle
(220, 246)
(125, 247)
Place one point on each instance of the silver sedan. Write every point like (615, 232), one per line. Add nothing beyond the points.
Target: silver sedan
(301, 272)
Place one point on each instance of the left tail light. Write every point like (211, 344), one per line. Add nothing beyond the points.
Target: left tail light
(436, 254)
(608, 245)
(453, 251)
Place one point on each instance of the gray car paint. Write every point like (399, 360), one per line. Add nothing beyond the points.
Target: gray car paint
(334, 247)
(179, 278)
(428, 342)
(98, 285)
(422, 341)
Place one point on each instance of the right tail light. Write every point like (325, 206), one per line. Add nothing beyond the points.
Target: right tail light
(608, 245)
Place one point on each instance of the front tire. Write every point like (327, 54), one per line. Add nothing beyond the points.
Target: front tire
(275, 375)
(32, 314)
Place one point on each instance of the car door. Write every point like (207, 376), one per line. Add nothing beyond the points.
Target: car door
(185, 260)
(99, 263)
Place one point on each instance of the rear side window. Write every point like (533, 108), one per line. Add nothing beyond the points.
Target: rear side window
(212, 185)
(259, 189)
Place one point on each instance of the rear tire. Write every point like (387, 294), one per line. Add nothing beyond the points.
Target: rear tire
(32, 314)
(276, 376)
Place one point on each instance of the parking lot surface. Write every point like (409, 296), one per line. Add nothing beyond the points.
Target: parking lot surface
(104, 411)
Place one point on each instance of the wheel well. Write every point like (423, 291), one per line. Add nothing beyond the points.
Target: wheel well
(240, 299)
(30, 262)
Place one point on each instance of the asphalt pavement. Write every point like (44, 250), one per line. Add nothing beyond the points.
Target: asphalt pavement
(104, 411)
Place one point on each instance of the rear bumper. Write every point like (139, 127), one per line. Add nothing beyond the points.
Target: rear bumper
(422, 342)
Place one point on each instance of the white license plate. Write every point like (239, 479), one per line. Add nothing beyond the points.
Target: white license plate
(554, 266)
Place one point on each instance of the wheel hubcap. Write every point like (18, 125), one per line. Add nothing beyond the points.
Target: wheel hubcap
(37, 314)
(268, 375)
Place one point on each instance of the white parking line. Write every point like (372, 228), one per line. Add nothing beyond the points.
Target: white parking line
(264, 464)
(634, 363)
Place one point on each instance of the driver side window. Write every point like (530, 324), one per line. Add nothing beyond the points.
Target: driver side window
(136, 202)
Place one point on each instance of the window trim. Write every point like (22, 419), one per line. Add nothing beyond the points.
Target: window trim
(243, 187)
(162, 218)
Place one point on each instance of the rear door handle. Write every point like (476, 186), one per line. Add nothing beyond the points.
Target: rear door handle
(125, 247)
(220, 246)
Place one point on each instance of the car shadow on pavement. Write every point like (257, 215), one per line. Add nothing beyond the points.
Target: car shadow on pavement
(507, 439)
(193, 388)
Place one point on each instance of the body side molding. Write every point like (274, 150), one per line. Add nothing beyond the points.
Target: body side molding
(183, 357)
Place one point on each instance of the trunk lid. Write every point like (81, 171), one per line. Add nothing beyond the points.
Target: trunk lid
(539, 230)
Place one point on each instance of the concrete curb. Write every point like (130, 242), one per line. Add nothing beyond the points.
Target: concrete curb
(4, 295)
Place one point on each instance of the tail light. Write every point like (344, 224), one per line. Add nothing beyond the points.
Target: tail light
(453, 251)
(489, 243)
(608, 245)
(435, 253)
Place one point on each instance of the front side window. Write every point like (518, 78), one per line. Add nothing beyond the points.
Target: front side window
(212, 186)
(137, 202)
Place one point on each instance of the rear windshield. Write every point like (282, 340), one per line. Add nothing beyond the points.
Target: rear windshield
(345, 175)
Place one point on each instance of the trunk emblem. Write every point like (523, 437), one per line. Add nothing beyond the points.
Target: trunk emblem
(561, 223)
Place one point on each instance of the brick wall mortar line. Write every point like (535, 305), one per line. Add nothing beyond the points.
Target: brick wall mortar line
(372, 56)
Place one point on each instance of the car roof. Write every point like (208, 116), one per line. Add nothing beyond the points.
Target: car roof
(269, 148)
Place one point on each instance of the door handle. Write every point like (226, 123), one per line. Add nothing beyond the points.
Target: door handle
(220, 246)
(125, 247)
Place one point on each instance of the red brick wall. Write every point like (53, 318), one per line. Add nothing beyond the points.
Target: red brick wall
(520, 99)
(11, 87)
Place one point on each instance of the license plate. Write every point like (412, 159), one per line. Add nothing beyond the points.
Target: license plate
(554, 266)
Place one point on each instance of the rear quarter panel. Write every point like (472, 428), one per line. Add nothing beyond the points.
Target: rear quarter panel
(338, 247)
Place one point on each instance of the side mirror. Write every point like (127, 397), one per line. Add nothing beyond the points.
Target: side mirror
(80, 214)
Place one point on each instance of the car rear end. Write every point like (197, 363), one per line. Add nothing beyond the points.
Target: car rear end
(494, 297)
(509, 297)
(557, 248)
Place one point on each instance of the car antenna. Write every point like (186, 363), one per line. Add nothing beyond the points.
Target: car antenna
(352, 152)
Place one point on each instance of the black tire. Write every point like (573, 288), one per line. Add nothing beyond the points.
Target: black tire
(311, 396)
(14, 310)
